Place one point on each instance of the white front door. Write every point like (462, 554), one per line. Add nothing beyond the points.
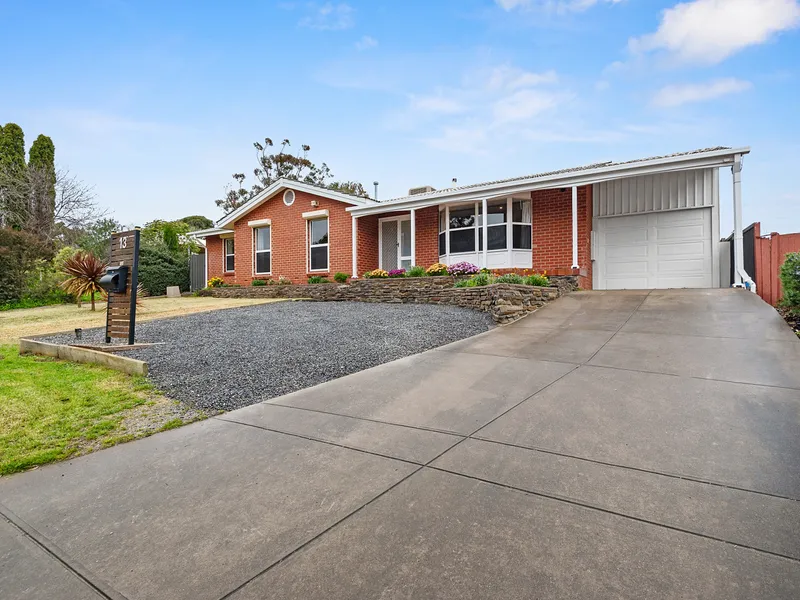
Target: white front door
(671, 249)
(395, 244)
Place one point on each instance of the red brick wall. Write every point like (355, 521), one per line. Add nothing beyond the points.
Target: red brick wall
(289, 252)
(367, 244)
(427, 236)
(215, 260)
(552, 232)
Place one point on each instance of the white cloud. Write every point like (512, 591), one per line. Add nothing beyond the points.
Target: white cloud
(522, 105)
(511, 78)
(709, 31)
(556, 6)
(676, 95)
(436, 104)
(366, 42)
(329, 16)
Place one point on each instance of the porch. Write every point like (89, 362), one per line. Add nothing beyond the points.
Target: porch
(538, 229)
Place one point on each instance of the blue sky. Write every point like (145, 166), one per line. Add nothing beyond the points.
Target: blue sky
(158, 103)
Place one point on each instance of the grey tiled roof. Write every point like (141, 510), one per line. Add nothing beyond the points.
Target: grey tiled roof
(556, 172)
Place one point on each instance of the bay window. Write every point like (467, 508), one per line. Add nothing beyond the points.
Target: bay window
(318, 245)
(462, 228)
(508, 229)
(521, 219)
(496, 228)
(228, 254)
(263, 250)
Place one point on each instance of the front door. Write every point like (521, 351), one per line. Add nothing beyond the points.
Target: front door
(395, 244)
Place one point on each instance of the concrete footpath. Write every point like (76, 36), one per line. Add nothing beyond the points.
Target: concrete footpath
(611, 445)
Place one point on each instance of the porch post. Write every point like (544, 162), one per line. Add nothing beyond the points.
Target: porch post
(413, 237)
(739, 274)
(575, 227)
(355, 247)
(485, 228)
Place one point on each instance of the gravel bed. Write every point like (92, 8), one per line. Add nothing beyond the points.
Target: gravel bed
(227, 359)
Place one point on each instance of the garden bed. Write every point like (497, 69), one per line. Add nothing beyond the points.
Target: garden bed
(505, 302)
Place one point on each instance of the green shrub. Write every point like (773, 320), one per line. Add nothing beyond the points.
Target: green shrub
(790, 282)
(416, 271)
(477, 280)
(318, 279)
(537, 279)
(510, 278)
(258, 282)
(340, 277)
(20, 253)
(160, 268)
(482, 279)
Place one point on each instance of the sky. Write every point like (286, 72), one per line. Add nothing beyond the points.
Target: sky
(157, 104)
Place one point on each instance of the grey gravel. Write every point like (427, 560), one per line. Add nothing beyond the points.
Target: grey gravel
(227, 359)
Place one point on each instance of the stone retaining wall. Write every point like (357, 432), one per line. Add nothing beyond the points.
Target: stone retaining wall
(505, 302)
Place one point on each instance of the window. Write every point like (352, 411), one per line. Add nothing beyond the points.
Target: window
(442, 233)
(288, 197)
(263, 249)
(495, 225)
(228, 242)
(318, 244)
(462, 229)
(521, 224)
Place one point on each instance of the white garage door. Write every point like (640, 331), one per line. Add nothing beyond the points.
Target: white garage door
(655, 250)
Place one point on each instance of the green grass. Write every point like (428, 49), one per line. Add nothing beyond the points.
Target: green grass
(50, 409)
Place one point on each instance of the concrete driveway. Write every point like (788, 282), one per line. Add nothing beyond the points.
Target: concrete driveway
(612, 445)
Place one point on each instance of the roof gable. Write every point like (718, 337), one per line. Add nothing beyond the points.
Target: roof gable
(290, 184)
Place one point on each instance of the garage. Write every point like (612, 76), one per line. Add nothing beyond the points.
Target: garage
(656, 232)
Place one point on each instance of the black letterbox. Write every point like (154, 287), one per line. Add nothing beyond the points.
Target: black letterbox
(115, 280)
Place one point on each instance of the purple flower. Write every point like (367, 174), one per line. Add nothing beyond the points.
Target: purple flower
(462, 268)
(397, 273)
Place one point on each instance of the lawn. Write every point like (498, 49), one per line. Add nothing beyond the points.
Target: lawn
(51, 410)
(26, 322)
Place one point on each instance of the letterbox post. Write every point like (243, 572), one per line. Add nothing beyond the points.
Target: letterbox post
(123, 264)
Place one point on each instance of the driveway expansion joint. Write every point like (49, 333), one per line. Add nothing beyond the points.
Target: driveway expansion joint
(637, 469)
(589, 506)
(52, 550)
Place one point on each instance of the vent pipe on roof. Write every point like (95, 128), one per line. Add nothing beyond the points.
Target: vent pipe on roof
(375, 183)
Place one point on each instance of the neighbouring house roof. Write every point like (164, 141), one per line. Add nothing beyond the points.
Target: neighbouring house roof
(582, 175)
(225, 224)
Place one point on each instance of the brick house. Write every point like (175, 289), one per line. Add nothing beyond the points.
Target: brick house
(641, 224)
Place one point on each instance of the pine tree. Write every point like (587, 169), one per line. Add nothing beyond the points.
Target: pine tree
(42, 172)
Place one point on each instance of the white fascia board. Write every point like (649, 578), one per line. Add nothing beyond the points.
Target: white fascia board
(316, 214)
(717, 158)
(259, 222)
(204, 233)
(291, 184)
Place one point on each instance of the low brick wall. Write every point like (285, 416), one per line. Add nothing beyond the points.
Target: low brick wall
(505, 302)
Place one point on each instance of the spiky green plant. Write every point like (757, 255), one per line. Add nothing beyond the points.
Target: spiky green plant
(84, 270)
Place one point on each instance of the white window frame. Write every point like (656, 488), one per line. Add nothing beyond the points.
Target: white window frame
(309, 245)
(511, 219)
(481, 216)
(225, 255)
(474, 227)
(256, 251)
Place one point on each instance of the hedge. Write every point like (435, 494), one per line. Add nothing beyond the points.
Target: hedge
(159, 268)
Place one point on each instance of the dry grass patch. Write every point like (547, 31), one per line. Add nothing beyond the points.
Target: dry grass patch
(28, 322)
